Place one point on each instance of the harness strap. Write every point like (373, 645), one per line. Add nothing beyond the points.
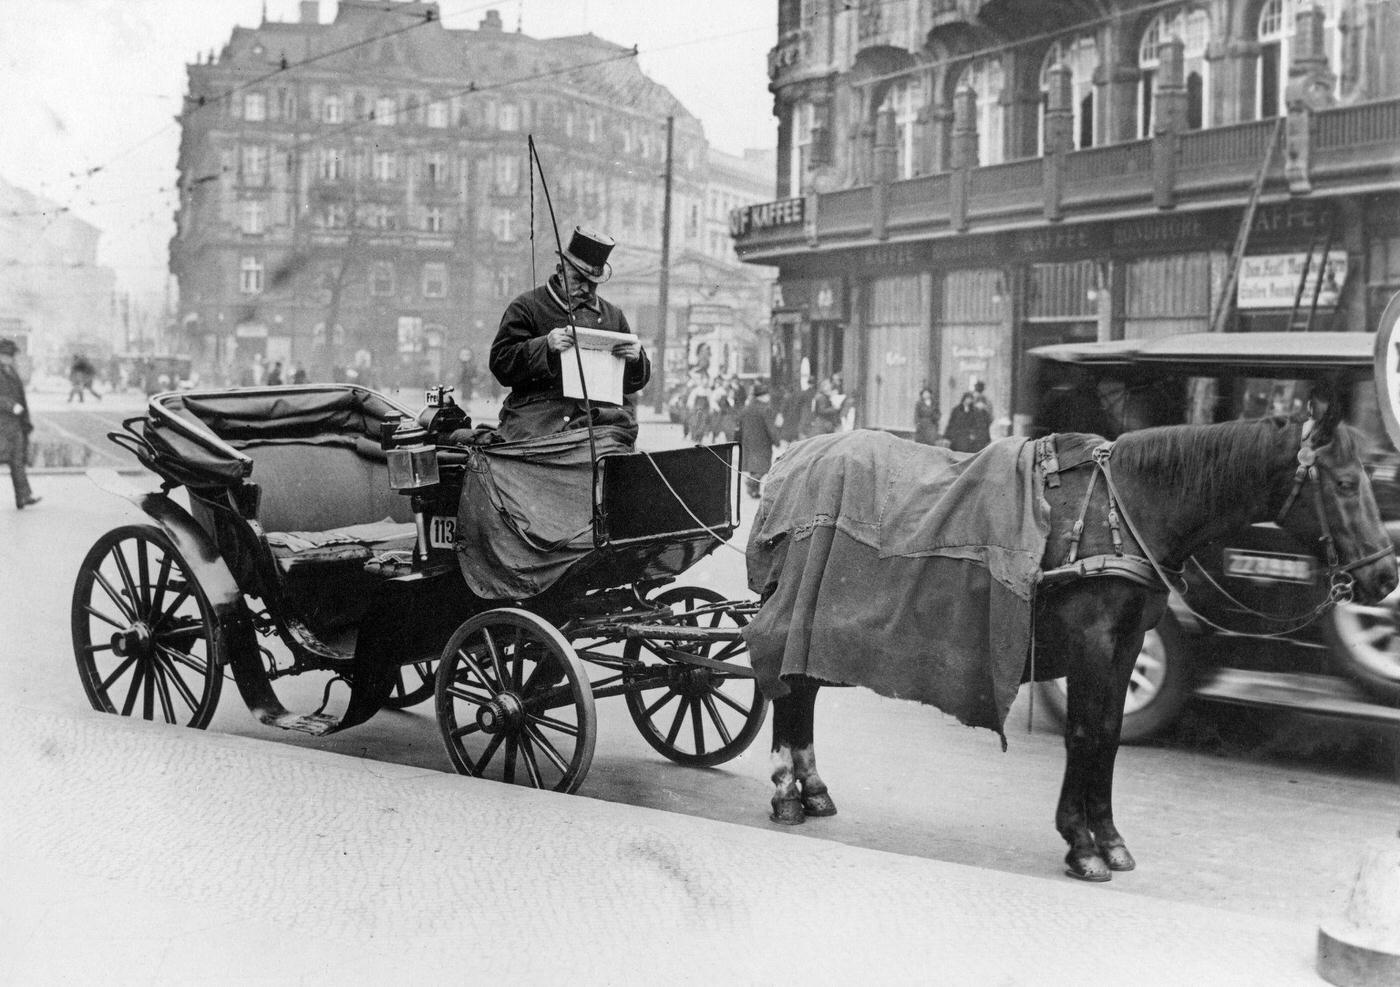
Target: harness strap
(1128, 567)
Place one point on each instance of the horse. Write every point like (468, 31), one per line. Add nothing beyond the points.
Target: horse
(1123, 518)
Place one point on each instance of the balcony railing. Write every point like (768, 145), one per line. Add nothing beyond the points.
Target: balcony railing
(1351, 148)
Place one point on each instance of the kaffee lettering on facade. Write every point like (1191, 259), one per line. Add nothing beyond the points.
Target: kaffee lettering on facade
(767, 215)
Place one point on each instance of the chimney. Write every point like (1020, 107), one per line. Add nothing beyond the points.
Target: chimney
(492, 21)
(311, 11)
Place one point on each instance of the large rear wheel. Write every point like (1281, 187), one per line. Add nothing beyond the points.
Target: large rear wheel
(1157, 692)
(514, 703)
(143, 634)
(696, 715)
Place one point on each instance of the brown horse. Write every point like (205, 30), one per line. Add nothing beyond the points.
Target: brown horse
(1175, 488)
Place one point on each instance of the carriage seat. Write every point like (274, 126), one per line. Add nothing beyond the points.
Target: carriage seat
(327, 499)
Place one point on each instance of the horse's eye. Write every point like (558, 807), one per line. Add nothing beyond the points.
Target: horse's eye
(1347, 485)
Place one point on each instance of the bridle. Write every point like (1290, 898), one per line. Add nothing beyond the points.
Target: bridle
(1340, 582)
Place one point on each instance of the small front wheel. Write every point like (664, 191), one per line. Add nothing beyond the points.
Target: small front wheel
(514, 703)
(143, 633)
(694, 714)
(412, 685)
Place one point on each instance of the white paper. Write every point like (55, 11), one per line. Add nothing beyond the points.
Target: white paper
(603, 372)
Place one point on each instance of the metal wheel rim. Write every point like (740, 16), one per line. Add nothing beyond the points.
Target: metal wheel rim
(143, 634)
(1369, 635)
(698, 713)
(404, 695)
(520, 667)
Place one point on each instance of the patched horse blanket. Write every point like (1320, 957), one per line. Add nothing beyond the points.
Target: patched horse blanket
(905, 568)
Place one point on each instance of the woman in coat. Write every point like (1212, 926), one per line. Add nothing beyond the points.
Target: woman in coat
(926, 418)
(969, 426)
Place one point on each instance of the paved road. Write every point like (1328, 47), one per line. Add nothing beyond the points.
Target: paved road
(1273, 830)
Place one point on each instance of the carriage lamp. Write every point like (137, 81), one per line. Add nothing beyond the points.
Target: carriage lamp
(413, 467)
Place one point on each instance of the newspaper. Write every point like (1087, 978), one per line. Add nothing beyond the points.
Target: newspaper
(603, 372)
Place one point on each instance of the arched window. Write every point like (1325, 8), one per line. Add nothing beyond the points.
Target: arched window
(1081, 56)
(1277, 27)
(984, 77)
(1193, 28)
(904, 98)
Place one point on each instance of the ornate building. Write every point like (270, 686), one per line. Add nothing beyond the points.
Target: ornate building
(960, 181)
(359, 191)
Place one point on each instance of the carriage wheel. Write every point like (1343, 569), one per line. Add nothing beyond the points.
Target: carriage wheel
(413, 684)
(698, 716)
(514, 703)
(143, 634)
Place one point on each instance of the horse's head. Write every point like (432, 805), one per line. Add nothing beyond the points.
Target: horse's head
(1330, 505)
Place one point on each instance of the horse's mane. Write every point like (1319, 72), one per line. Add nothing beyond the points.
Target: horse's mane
(1208, 462)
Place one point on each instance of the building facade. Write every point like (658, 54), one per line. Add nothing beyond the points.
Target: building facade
(961, 181)
(55, 299)
(358, 193)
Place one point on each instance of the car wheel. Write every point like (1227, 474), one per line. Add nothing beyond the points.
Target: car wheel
(1158, 691)
(1366, 646)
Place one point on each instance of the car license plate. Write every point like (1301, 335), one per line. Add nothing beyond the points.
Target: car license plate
(1268, 567)
(442, 532)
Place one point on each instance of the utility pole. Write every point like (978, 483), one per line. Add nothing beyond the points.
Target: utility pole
(664, 295)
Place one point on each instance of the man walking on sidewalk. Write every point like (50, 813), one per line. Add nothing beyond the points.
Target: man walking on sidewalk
(14, 424)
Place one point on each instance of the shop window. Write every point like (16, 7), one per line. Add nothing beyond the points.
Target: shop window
(985, 78)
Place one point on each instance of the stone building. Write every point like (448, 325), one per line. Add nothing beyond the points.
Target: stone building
(960, 181)
(357, 194)
(55, 299)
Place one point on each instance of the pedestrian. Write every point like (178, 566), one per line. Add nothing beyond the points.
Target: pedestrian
(697, 406)
(826, 414)
(274, 376)
(81, 374)
(758, 434)
(926, 418)
(535, 337)
(466, 376)
(969, 427)
(15, 425)
(299, 375)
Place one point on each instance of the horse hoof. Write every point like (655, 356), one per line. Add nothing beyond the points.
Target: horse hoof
(818, 804)
(1086, 865)
(1117, 857)
(788, 812)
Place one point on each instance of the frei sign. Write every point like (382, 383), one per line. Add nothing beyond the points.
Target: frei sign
(1387, 368)
(1271, 280)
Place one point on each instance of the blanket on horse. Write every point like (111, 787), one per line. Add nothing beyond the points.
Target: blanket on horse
(905, 568)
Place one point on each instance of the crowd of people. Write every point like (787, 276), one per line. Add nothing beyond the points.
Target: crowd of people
(969, 425)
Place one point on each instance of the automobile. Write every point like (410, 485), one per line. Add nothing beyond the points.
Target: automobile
(1236, 635)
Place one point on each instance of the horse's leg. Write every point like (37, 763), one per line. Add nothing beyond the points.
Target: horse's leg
(1088, 642)
(816, 800)
(793, 761)
(1098, 798)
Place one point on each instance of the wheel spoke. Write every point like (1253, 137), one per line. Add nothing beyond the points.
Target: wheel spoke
(115, 597)
(479, 768)
(181, 686)
(549, 751)
(162, 691)
(532, 767)
(467, 696)
(89, 609)
(143, 569)
(517, 670)
(162, 582)
(716, 719)
(698, 724)
(476, 670)
(670, 694)
(732, 703)
(92, 649)
(676, 724)
(124, 570)
(148, 695)
(512, 748)
(466, 731)
(555, 724)
(197, 665)
(169, 611)
(107, 684)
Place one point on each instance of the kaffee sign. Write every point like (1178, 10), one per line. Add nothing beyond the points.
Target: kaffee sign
(1387, 368)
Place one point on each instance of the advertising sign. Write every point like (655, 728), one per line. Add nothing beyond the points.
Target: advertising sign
(1271, 280)
(1387, 368)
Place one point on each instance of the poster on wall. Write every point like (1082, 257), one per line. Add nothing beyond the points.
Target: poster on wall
(1271, 280)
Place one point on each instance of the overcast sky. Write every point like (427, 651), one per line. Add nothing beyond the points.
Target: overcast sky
(94, 84)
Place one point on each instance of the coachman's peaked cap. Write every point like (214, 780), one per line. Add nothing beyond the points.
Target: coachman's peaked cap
(588, 251)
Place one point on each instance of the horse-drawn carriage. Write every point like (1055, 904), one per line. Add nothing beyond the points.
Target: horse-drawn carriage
(373, 546)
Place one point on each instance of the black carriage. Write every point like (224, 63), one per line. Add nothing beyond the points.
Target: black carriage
(410, 558)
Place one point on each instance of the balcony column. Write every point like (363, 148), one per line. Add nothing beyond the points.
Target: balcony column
(1237, 81)
(1059, 137)
(1310, 87)
(1116, 82)
(1168, 121)
(886, 162)
(964, 153)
